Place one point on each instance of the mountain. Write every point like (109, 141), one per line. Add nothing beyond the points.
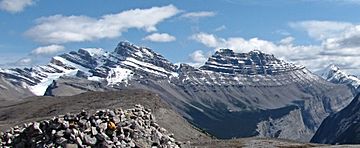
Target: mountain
(342, 127)
(231, 95)
(29, 111)
(333, 74)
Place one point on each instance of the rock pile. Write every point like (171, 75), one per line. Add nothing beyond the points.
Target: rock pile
(134, 127)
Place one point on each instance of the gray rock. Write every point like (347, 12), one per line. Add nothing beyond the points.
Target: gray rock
(112, 113)
(36, 127)
(66, 124)
(94, 131)
(71, 146)
(103, 127)
(75, 132)
(115, 119)
(90, 140)
(132, 144)
(79, 141)
(60, 133)
(61, 140)
(82, 122)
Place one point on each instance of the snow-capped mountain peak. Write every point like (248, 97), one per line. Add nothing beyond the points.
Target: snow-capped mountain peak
(126, 48)
(329, 71)
(96, 64)
(334, 74)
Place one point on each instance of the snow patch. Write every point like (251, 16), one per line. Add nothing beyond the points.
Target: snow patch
(41, 87)
(147, 52)
(333, 73)
(138, 53)
(95, 51)
(118, 75)
(95, 78)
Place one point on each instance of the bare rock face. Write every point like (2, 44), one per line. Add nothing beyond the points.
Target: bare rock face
(231, 95)
(134, 127)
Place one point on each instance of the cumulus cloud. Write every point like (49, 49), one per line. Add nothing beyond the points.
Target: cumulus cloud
(349, 38)
(337, 38)
(314, 57)
(48, 50)
(207, 39)
(198, 15)
(62, 29)
(160, 37)
(198, 58)
(14, 6)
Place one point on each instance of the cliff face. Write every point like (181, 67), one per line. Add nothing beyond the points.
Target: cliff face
(342, 127)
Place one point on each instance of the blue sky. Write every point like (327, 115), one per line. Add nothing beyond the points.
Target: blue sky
(307, 32)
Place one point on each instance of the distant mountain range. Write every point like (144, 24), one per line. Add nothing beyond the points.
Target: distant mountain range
(231, 95)
(334, 74)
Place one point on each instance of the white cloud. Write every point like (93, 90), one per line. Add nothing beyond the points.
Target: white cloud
(198, 58)
(287, 40)
(40, 55)
(314, 57)
(349, 38)
(160, 37)
(336, 37)
(239, 44)
(282, 32)
(198, 15)
(207, 39)
(48, 50)
(14, 6)
(320, 30)
(24, 62)
(220, 28)
(62, 29)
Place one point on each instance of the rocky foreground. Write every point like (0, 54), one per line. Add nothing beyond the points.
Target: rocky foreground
(135, 127)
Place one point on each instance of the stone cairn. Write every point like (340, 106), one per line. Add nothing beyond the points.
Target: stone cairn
(134, 127)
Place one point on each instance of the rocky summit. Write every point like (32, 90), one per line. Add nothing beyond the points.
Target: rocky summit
(252, 63)
(231, 95)
(134, 127)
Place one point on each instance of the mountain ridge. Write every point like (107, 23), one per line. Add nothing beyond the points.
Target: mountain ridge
(259, 93)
